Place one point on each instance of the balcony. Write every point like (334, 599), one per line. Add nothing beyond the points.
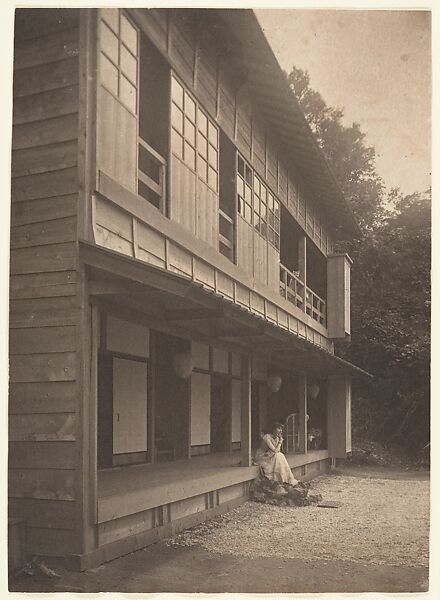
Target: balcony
(293, 290)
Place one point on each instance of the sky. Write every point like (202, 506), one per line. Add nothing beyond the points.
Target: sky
(376, 65)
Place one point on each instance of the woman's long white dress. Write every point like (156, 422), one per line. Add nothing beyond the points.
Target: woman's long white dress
(272, 461)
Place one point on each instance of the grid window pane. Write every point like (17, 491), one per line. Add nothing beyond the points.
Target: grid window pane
(240, 186)
(177, 118)
(177, 93)
(128, 35)
(212, 157)
(109, 75)
(190, 156)
(109, 43)
(202, 168)
(190, 132)
(263, 211)
(247, 212)
(190, 108)
(202, 145)
(111, 16)
(247, 193)
(176, 143)
(127, 93)
(263, 228)
(240, 206)
(202, 123)
(212, 134)
(212, 178)
(128, 65)
(241, 166)
(248, 175)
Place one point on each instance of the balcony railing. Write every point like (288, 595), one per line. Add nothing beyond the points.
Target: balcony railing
(151, 175)
(315, 307)
(226, 234)
(292, 288)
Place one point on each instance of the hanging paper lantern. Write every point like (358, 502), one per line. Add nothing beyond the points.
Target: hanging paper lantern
(274, 381)
(313, 391)
(183, 364)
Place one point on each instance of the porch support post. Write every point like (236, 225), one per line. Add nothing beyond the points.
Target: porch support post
(339, 415)
(151, 400)
(302, 265)
(302, 399)
(246, 454)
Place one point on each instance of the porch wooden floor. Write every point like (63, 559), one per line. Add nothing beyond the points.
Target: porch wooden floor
(126, 490)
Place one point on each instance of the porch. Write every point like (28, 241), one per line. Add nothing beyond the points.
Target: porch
(125, 491)
(142, 504)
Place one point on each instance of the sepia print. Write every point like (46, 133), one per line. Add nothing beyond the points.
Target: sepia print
(219, 301)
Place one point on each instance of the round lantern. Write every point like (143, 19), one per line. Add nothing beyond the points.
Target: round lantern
(274, 381)
(313, 391)
(183, 364)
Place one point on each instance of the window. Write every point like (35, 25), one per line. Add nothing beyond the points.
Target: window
(244, 189)
(119, 56)
(194, 137)
(256, 203)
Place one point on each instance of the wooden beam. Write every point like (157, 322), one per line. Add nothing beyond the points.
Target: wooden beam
(240, 332)
(191, 314)
(104, 287)
(246, 380)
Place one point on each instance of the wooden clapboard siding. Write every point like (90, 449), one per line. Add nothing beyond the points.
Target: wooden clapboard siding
(51, 514)
(44, 397)
(49, 131)
(44, 309)
(226, 101)
(52, 427)
(48, 455)
(182, 44)
(244, 122)
(206, 75)
(44, 233)
(44, 106)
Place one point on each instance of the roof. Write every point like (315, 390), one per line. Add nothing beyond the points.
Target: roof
(280, 109)
(260, 336)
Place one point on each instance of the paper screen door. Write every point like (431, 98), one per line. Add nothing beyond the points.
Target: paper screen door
(129, 406)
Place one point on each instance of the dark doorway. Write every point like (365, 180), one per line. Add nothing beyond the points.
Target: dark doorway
(220, 414)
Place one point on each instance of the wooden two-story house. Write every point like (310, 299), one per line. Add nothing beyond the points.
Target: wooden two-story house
(174, 286)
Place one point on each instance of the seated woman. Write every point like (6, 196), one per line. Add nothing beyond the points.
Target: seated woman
(272, 461)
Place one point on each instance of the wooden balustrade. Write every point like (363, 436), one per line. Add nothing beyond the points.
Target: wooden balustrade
(292, 288)
(151, 175)
(315, 307)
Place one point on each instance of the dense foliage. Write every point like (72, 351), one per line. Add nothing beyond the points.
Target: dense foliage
(390, 282)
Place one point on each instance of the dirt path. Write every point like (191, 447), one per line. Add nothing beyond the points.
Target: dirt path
(376, 541)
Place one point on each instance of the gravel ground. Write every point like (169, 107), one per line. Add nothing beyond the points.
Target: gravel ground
(379, 522)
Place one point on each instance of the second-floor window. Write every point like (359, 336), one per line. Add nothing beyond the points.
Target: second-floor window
(119, 56)
(257, 204)
(194, 137)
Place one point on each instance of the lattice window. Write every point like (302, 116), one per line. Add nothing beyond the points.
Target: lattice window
(194, 137)
(256, 203)
(244, 189)
(119, 56)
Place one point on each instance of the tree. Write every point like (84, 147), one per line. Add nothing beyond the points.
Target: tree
(390, 282)
(350, 159)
